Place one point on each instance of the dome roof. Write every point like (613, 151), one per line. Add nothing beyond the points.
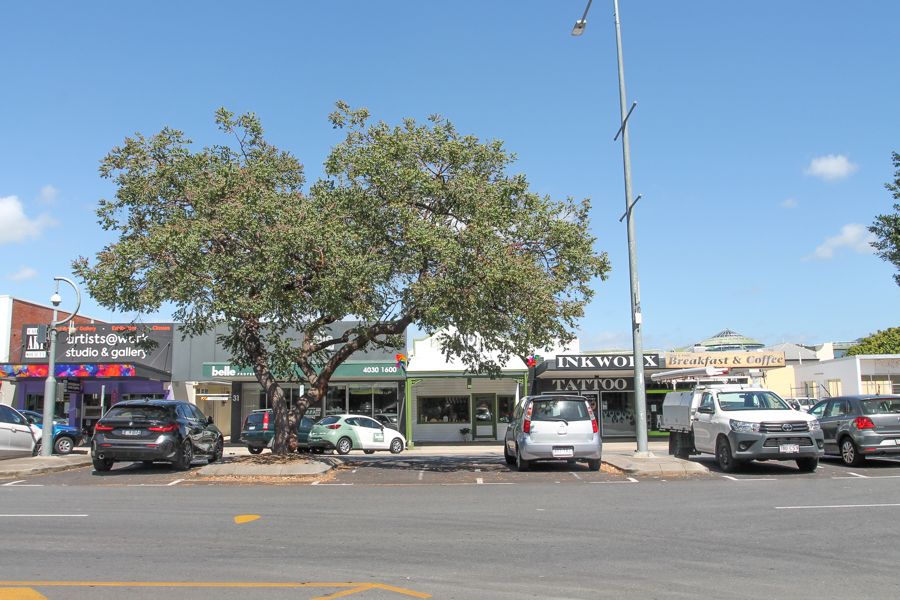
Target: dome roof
(730, 340)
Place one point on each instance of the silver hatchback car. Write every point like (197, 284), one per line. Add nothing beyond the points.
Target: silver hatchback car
(553, 427)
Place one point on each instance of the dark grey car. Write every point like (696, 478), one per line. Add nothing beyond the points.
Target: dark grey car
(859, 426)
(154, 430)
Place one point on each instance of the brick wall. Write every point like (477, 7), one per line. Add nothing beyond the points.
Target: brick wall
(26, 313)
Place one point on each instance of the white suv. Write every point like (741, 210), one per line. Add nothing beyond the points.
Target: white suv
(553, 427)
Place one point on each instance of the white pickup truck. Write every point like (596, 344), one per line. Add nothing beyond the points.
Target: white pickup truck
(738, 423)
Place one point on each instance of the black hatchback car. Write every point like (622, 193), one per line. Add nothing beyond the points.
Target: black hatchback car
(155, 430)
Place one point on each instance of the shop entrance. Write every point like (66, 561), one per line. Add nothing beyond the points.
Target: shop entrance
(484, 416)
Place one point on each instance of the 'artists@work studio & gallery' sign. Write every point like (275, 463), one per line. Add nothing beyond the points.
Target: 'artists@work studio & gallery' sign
(148, 344)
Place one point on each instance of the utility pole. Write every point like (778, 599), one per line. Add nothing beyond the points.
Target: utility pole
(50, 383)
(640, 394)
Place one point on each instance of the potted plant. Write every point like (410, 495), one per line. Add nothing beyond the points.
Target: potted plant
(465, 433)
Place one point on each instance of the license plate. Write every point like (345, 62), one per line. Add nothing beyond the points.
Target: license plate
(130, 432)
(563, 452)
(789, 448)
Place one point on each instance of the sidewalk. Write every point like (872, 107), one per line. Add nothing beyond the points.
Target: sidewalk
(617, 454)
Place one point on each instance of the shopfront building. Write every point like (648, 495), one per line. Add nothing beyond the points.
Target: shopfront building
(97, 365)
(607, 380)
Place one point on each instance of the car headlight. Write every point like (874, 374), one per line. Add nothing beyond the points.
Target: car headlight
(743, 426)
(814, 425)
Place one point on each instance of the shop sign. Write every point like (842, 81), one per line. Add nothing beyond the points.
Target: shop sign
(595, 384)
(73, 386)
(724, 360)
(148, 344)
(366, 370)
(601, 362)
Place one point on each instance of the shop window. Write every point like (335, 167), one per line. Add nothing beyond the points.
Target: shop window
(443, 409)
(336, 400)
(505, 406)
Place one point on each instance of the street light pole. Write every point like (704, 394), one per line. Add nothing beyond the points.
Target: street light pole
(50, 383)
(640, 403)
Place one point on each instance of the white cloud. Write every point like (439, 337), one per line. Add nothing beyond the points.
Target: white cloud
(15, 226)
(831, 167)
(789, 203)
(23, 274)
(854, 236)
(48, 194)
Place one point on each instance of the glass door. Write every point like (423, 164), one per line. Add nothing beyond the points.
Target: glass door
(484, 416)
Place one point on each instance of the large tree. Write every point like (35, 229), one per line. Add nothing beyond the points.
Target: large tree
(880, 342)
(887, 227)
(410, 224)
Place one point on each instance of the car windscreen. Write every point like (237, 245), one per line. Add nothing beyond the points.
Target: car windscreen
(255, 418)
(880, 406)
(556, 409)
(138, 412)
(751, 400)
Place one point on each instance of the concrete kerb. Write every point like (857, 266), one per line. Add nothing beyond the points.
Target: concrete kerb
(13, 468)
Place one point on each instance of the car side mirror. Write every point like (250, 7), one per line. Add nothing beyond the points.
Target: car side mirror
(707, 410)
(209, 420)
(30, 420)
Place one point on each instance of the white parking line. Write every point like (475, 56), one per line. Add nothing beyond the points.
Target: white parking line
(858, 475)
(575, 475)
(837, 506)
(320, 483)
(14, 484)
(868, 477)
(176, 482)
(421, 475)
(38, 516)
(730, 478)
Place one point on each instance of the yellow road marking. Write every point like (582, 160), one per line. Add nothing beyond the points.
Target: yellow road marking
(20, 594)
(354, 588)
(245, 518)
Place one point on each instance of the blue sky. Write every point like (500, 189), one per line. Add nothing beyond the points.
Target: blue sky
(761, 141)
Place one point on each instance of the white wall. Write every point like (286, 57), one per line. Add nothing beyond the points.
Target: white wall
(846, 369)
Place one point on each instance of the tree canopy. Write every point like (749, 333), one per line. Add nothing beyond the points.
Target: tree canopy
(887, 227)
(413, 223)
(880, 342)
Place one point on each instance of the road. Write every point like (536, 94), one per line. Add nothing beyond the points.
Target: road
(457, 532)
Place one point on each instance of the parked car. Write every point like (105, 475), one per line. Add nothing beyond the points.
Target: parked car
(389, 421)
(344, 433)
(65, 437)
(18, 437)
(155, 430)
(259, 430)
(801, 403)
(859, 426)
(553, 428)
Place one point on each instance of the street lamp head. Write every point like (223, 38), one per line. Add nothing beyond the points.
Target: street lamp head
(578, 29)
(55, 299)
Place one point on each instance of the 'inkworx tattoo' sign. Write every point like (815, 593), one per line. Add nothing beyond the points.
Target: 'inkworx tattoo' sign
(602, 362)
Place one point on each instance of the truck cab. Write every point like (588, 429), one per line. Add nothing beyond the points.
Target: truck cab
(739, 422)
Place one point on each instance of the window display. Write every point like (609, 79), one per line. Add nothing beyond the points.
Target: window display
(444, 409)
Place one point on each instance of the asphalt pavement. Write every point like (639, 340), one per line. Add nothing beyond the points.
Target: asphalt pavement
(620, 455)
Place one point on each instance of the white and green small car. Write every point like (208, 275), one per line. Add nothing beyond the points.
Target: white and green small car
(344, 433)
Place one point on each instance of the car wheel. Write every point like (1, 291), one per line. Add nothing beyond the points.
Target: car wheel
(724, 457)
(102, 464)
(63, 445)
(369, 451)
(593, 464)
(850, 453)
(396, 446)
(510, 459)
(344, 446)
(521, 463)
(808, 464)
(254, 449)
(185, 456)
(218, 452)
